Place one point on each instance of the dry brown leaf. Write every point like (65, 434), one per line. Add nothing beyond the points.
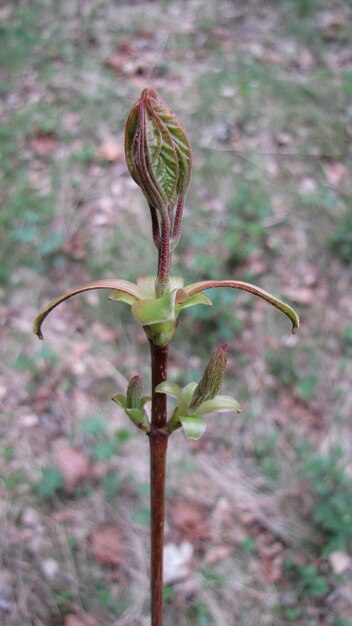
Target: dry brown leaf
(332, 23)
(73, 466)
(73, 620)
(303, 295)
(103, 332)
(108, 544)
(218, 553)
(115, 62)
(110, 151)
(65, 516)
(43, 144)
(284, 138)
(335, 172)
(129, 60)
(190, 519)
(256, 264)
(311, 275)
(80, 619)
(76, 246)
(273, 568)
(124, 52)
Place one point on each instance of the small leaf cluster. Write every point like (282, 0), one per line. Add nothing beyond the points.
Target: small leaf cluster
(133, 403)
(195, 400)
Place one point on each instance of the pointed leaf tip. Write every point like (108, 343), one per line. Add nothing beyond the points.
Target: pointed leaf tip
(37, 331)
(295, 322)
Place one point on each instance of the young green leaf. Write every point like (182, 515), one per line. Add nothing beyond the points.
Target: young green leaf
(158, 310)
(121, 296)
(193, 426)
(120, 399)
(219, 404)
(158, 153)
(174, 390)
(188, 392)
(139, 418)
(197, 298)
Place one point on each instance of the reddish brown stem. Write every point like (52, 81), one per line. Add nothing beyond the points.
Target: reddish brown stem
(164, 259)
(176, 229)
(158, 438)
(155, 226)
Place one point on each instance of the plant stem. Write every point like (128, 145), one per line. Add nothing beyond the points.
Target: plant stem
(158, 438)
(164, 259)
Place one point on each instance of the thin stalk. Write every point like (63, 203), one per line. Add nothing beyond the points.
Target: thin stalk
(164, 259)
(176, 229)
(158, 438)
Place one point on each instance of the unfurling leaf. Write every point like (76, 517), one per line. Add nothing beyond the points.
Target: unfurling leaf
(133, 403)
(158, 152)
(134, 392)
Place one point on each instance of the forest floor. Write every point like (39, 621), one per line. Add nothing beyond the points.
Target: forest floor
(259, 513)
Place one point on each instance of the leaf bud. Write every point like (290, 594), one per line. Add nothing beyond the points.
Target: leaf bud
(212, 379)
(158, 153)
(134, 393)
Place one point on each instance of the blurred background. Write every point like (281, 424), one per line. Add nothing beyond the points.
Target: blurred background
(259, 514)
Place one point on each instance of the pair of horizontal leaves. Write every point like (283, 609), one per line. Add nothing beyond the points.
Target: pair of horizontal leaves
(149, 310)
